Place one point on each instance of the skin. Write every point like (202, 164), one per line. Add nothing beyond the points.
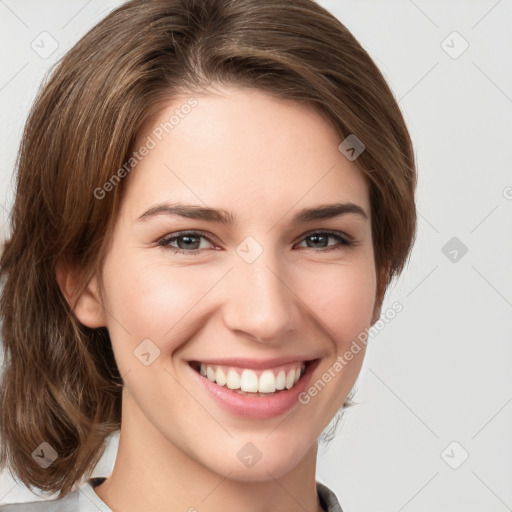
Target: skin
(263, 159)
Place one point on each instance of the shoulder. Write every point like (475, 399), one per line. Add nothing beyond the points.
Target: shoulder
(82, 499)
(67, 504)
(328, 499)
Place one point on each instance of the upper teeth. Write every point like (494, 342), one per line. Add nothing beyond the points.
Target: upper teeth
(248, 380)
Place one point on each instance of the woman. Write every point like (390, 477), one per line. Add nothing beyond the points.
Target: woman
(212, 199)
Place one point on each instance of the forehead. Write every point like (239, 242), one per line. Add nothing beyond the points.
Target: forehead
(242, 148)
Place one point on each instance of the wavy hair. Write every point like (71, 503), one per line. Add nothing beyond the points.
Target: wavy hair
(60, 383)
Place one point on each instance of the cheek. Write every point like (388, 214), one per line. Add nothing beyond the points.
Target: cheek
(342, 298)
(165, 303)
(154, 300)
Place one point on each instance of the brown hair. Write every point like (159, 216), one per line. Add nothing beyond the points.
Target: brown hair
(60, 382)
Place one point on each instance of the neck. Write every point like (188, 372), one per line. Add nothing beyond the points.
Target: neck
(152, 473)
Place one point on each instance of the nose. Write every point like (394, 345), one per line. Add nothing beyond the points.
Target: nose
(260, 299)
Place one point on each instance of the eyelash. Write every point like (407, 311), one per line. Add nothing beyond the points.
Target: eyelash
(345, 242)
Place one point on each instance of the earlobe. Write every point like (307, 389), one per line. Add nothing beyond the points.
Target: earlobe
(85, 304)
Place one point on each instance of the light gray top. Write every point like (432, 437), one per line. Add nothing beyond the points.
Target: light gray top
(84, 499)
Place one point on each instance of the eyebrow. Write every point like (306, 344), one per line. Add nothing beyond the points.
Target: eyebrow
(221, 216)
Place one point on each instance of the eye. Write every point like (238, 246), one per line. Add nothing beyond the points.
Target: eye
(319, 240)
(191, 242)
(187, 243)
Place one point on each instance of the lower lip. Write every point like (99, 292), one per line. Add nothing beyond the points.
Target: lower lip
(257, 406)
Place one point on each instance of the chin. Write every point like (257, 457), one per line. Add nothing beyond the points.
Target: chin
(261, 461)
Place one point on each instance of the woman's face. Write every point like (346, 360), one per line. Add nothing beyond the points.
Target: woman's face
(253, 298)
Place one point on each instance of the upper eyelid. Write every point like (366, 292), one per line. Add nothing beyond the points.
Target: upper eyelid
(340, 234)
(171, 236)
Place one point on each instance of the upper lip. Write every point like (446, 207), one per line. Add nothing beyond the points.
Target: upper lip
(255, 364)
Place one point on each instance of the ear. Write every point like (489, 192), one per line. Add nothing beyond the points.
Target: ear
(86, 305)
(382, 281)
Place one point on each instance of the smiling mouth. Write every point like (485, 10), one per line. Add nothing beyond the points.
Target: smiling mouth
(254, 382)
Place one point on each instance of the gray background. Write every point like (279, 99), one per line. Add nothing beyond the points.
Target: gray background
(436, 386)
